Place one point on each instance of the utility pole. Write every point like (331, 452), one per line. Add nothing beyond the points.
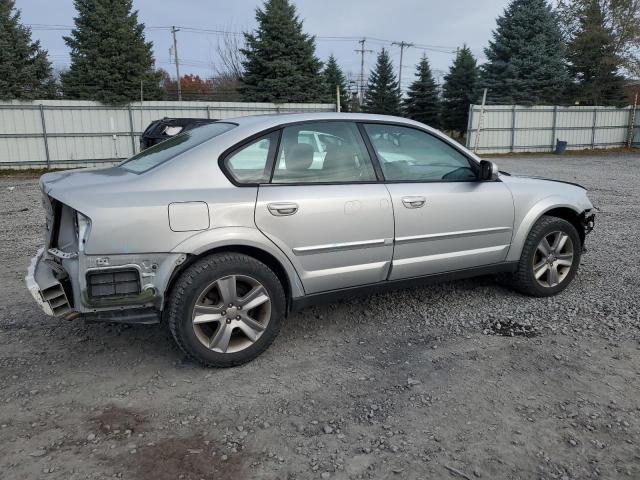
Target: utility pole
(175, 56)
(402, 46)
(362, 51)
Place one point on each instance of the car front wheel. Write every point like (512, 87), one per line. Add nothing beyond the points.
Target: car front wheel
(226, 309)
(549, 259)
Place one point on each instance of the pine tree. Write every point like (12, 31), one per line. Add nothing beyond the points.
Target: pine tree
(110, 57)
(422, 102)
(25, 71)
(459, 91)
(526, 58)
(333, 76)
(280, 63)
(383, 93)
(593, 62)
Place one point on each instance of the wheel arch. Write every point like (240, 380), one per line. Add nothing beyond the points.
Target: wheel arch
(551, 206)
(570, 215)
(241, 240)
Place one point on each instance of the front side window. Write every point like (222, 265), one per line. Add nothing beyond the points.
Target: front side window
(174, 146)
(408, 154)
(250, 163)
(322, 152)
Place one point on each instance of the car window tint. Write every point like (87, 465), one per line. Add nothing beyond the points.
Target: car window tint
(249, 164)
(341, 157)
(174, 146)
(413, 155)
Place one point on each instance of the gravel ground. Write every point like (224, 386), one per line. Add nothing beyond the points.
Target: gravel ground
(412, 384)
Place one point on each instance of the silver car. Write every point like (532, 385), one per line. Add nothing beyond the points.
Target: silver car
(223, 230)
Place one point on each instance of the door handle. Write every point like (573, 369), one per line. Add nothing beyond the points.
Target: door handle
(414, 202)
(282, 209)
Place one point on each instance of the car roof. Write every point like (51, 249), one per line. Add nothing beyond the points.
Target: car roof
(274, 120)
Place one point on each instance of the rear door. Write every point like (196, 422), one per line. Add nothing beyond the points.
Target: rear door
(330, 216)
(445, 219)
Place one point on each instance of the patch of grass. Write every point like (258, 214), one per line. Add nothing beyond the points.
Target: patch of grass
(27, 172)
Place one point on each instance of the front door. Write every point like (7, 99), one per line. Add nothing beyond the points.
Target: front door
(325, 211)
(445, 219)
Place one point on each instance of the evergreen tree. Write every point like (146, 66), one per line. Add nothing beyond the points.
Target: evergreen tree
(459, 91)
(383, 93)
(593, 61)
(422, 102)
(280, 63)
(25, 71)
(526, 58)
(333, 76)
(110, 57)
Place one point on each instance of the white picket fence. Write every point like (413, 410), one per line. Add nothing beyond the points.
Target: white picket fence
(514, 128)
(64, 133)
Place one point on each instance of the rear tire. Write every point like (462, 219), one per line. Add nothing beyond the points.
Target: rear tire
(226, 309)
(550, 258)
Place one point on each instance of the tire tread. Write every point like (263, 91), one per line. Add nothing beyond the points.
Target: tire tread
(523, 281)
(186, 282)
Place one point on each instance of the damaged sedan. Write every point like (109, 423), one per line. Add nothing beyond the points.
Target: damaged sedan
(221, 231)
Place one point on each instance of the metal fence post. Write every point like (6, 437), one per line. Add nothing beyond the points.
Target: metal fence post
(632, 121)
(133, 135)
(593, 129)
(469, 125)
(513, 127)
(554, 127)
(44, 136)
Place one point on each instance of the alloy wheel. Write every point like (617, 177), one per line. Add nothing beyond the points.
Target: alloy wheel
(553, 259)
(231, 313)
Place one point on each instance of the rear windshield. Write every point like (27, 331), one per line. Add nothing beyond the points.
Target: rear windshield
(166, 150)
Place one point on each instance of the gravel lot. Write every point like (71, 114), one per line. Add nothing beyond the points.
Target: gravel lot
(413, 384)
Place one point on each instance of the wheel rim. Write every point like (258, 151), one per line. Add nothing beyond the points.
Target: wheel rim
(231, 313)
(553, 259)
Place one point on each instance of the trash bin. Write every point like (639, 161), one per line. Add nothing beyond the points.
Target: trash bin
(561, 147)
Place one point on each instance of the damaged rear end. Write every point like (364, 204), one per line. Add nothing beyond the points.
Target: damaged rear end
(67, 282)
(48, 277)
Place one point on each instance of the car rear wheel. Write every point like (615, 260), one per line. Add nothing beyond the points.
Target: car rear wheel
(226, 309)
(549, 259)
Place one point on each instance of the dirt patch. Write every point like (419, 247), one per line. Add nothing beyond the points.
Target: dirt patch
(510, 328)
(116, 419)
(187, 458)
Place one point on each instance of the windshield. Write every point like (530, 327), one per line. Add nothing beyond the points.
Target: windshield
(166, 150)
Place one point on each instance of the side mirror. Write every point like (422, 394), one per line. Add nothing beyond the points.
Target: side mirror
(488, 171)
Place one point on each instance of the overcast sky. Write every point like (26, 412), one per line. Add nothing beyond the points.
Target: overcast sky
(443, 24)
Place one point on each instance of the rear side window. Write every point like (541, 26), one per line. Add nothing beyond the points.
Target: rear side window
(323, 152)
(250, 163)
(166, 150)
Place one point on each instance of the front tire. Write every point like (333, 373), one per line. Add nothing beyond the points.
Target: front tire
(226, 309)
(550, 258)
